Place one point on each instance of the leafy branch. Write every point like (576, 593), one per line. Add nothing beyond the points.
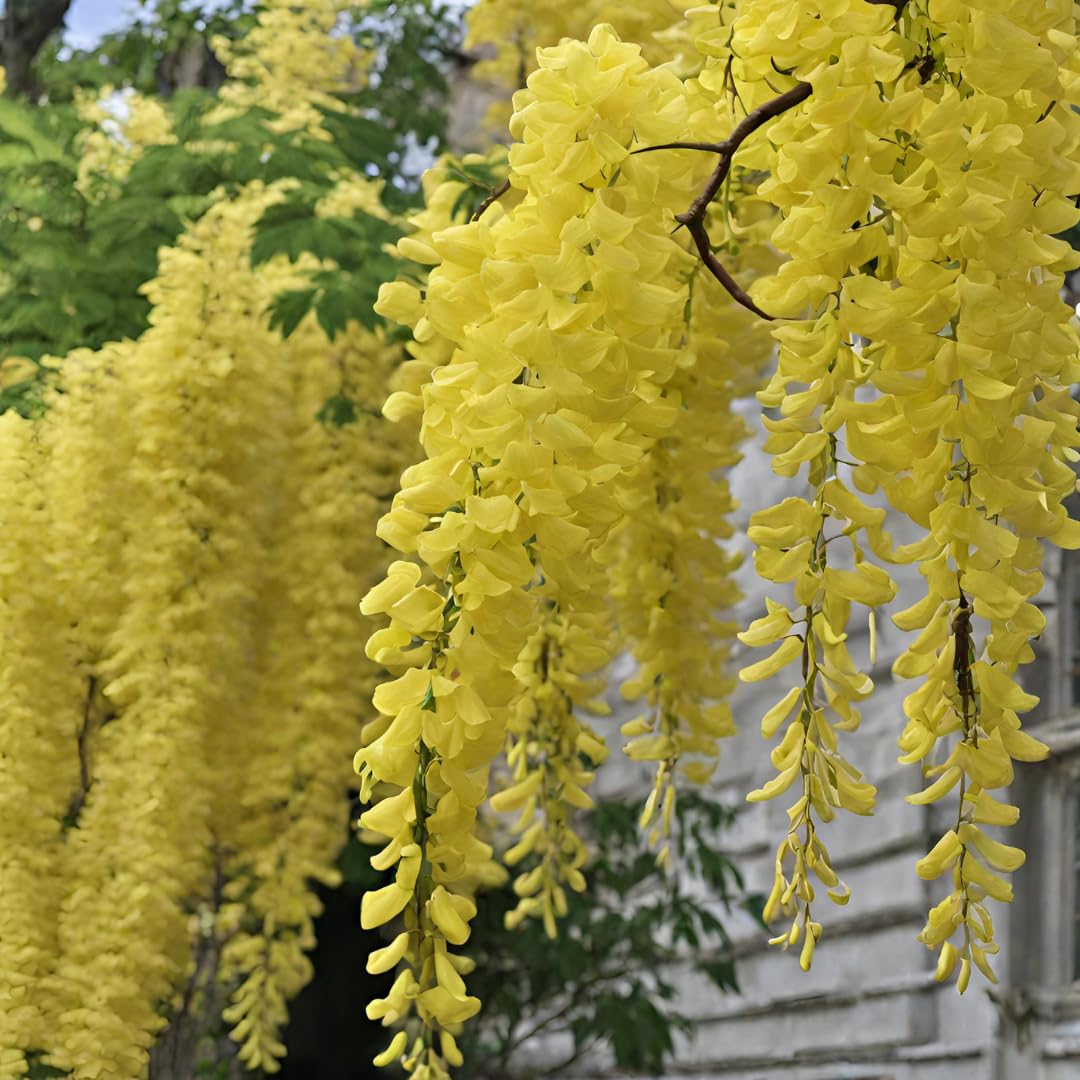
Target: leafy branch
(606, 980)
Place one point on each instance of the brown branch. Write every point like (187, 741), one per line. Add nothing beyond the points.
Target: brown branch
(708, 147)
(494, 197)
(700, 234)
(694, 218)
(85, 779)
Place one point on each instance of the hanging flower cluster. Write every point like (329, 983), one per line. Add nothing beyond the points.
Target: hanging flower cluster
(565, 306)
(294, 62)
(577, 349)
(935, 365)
(672, 579)
(893, 148)
(182, 666)
(974, 385)
(212, 551)
(516, 29)
(45, 697)
(800, 542)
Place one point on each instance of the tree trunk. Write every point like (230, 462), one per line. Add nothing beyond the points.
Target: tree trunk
(192, 64)
(24, 28)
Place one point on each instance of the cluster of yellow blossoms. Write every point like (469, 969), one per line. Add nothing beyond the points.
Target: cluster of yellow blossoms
(186, 541)
(573, 369)
(190, 769)
(912, 163)
(564, 309)
(672, 579)
(514, 29)
(293, 63)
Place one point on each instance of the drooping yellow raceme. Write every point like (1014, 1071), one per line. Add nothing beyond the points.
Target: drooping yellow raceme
(547, 737)
(797, 540)
(672, 579)
(291, 817)
(988, 428)
(549, 746)
(210, 553)
(176, 660)
(928, 262)
(565, 307)
(45, 700)
(515, 29)
(200, 676)
(793, 545)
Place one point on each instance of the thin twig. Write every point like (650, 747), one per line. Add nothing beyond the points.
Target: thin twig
(694, 218)
(494, 197)
(719, 271)
(85, 780)
(708, 147)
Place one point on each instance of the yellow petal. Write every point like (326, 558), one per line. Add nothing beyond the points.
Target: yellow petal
(382, 905)
(382, 960)
(940, 857)
(788, 650)
(393, 1051)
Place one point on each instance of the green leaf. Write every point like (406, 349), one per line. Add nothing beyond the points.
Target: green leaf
(22, 124)
(337, 411)
(289, 308)
(332, 311)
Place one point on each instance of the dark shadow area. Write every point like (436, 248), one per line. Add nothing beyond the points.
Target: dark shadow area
(329, 1037)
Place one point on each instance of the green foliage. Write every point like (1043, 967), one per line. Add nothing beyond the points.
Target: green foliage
(414, 42)
(71, 268)
(356, 247)
(337, 411)
(481, 179)
(26, 396)
(606, 981)
(76, 256)
(136, 55)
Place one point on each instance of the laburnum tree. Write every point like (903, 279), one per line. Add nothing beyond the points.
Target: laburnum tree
(851, 208)
(189, 521)
(912, 164)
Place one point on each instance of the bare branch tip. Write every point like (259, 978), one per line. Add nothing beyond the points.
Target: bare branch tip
(494, 197)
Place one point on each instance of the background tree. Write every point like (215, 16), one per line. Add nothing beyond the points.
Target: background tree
(25, 26)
